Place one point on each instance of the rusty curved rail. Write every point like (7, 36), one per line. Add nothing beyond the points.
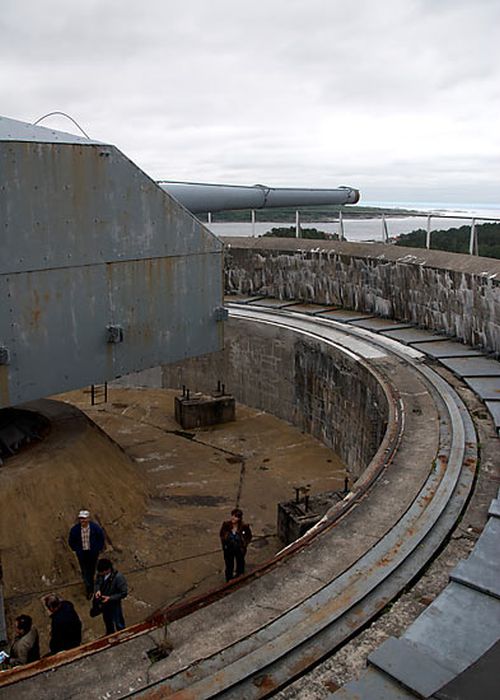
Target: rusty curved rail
(303, 635)
(254, 666)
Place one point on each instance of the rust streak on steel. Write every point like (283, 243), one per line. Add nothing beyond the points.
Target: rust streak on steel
(65, 657)
(265, 683)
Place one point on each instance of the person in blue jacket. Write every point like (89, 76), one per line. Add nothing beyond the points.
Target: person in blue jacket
(86, 539)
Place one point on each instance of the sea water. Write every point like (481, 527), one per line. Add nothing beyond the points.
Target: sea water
(443, 217)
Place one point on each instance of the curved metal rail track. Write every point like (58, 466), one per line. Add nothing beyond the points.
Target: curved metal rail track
(258, 659)
(300, 637)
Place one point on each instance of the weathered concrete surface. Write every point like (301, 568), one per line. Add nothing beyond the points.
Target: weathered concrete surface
(458, 295)
(320, 389)
(160, 496)
(210, 630)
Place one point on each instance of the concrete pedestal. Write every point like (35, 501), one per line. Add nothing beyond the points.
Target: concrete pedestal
(199, 410)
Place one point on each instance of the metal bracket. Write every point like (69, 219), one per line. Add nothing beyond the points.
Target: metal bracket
(114, 334)
(4, 355)
(221, 313)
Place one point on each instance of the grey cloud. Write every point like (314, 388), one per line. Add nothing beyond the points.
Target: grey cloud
(281, 91)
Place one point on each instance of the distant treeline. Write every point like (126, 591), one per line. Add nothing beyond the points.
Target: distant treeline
(304, 233)
(316, 214)
(456, 240)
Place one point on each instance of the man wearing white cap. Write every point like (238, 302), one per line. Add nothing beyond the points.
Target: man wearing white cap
(86, 539)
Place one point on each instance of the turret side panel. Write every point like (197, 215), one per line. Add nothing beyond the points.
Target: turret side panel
(101, 272)
(70, 204)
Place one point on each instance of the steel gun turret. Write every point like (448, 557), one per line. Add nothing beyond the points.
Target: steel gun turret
(198, 197)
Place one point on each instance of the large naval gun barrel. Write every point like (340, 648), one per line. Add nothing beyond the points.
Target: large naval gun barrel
(198, 197)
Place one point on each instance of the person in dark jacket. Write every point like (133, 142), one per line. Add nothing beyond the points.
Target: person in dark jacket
(25, 648)
(110, 589)
(65, 625)
(235, 536)
(86, 539)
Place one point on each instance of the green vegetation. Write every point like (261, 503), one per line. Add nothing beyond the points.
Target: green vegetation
(319, 213)
(304, 233)
(456, 240)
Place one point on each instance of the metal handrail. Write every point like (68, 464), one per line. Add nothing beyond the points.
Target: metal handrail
(473, 240)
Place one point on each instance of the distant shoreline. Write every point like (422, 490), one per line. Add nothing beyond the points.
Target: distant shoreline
(310, 214)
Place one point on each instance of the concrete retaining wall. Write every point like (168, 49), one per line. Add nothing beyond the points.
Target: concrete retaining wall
(457, 295)
(313, 386)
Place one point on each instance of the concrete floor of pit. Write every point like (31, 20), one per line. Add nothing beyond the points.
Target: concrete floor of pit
(168, 546)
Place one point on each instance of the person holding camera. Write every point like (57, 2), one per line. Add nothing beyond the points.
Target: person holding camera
(110, 589)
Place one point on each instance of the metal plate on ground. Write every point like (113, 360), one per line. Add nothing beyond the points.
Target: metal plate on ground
(372, 686)
(380, 325)
(447, 348)
(479, 681)
(310, 308)
(241, 298)
(482, 569)
(413, 335)
(487, 388)
(344, 315)
(472, 366)
(458, 627)
(410, 665)
(494, 508)
(271, 302)
(494, 410)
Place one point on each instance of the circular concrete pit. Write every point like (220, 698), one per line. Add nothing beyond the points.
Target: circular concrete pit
(410, 453)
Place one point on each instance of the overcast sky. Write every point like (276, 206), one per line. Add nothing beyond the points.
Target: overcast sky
(399, 98)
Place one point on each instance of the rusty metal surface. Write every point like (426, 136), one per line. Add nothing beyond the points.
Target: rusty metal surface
(89, 241)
